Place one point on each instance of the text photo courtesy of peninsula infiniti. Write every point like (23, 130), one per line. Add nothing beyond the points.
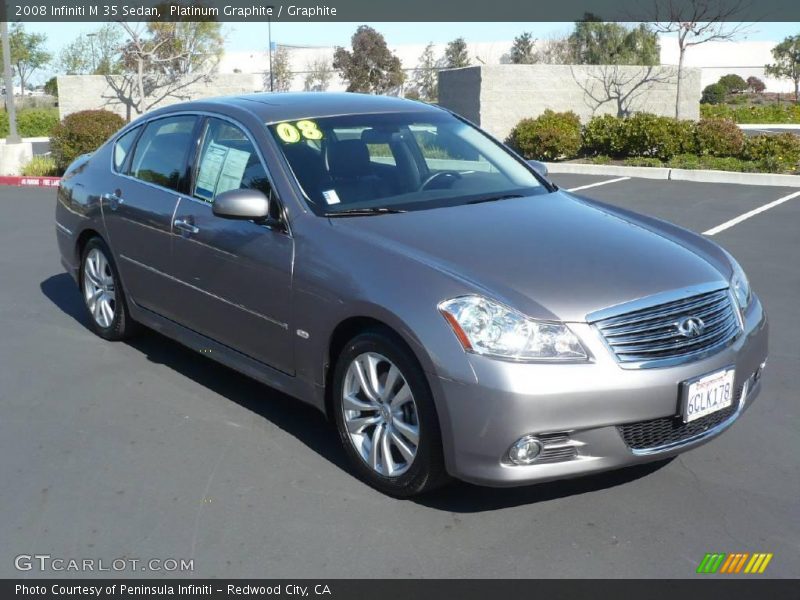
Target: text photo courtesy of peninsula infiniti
(451, 311)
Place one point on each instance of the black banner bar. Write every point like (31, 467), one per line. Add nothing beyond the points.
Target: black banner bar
(363, 11)
(703, 588)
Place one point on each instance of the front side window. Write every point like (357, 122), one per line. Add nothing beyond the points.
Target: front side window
(227, 161)
(161, 152)
(401, 161)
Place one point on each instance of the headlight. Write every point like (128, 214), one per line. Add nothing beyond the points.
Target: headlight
(740, 286)
(486, 327)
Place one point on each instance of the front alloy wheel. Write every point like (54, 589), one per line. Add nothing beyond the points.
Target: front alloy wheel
(386, 417)
(380, 414)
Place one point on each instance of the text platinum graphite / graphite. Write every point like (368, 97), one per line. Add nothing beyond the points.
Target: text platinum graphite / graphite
(250, 11)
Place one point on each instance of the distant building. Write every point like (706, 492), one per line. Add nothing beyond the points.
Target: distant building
(715, 59)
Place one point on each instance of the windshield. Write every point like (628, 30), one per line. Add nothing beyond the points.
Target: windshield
(398, 162)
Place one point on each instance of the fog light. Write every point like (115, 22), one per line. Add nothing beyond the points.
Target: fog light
(525, 450)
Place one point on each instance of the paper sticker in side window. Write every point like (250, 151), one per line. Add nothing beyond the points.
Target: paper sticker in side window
(221, 169)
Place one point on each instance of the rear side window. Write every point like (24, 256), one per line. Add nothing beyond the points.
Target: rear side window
(122, 147)
(160, 154)
(227, 161)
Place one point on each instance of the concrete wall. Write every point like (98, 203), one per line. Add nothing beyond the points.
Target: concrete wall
(85, 92)
(497, 97)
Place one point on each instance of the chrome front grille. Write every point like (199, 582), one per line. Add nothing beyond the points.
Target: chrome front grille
(651, 336)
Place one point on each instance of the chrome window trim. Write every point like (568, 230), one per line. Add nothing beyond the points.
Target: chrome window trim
(181, 196)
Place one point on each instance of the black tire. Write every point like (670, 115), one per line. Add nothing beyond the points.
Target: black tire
(121, 326)
(426, 471)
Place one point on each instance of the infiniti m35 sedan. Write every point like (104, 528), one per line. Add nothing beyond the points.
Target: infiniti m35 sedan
(449, 309)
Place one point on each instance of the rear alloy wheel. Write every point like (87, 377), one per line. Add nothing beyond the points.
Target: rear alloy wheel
(386, 417)
(102, 293)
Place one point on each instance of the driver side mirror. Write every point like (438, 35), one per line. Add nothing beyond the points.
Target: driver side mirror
(242, 204)
(539, 167)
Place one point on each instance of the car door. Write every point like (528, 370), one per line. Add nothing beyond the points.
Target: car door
(137, 212)
(237, 274)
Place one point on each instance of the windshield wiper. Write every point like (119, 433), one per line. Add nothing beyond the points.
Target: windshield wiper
(495, 198)
(361, 212)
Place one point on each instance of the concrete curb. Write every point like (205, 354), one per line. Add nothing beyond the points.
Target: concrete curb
(695, 175)
(26, 181)
(618, 170)
(788, 126)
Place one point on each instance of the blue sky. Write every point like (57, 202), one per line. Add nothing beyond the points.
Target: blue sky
(252, 36)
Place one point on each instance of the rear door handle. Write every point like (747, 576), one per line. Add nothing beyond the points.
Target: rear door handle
(185, 226)
(114, 199)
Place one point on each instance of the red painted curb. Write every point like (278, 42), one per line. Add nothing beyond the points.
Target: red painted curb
(29, 181)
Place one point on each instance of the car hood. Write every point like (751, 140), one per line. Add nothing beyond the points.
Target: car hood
(553, 256)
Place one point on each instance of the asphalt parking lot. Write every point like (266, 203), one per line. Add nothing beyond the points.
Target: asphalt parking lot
(149, 450)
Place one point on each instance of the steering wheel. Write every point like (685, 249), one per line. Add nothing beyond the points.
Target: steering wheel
(431, 178)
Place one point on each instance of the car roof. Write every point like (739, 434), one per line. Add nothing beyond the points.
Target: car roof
(284, 106)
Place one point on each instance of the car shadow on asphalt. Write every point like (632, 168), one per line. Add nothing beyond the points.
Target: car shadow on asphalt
(461, 497)
(310, 427)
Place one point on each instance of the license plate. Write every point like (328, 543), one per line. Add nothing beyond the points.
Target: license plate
(707, 394)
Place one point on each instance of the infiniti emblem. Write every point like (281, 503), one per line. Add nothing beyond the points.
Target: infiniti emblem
(690, 327)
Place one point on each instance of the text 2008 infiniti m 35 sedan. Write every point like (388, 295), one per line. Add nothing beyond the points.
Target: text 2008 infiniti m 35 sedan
(451, 311)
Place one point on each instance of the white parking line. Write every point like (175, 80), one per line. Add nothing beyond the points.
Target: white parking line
(591, 185)
(747, 215)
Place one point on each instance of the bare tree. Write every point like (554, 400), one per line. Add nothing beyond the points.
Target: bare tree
(696, 22)
(619, 85)
(160, 61)
(319, 76)
(554, 51)
(282, 74)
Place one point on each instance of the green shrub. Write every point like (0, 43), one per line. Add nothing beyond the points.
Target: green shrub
(37, 122)
(684, 161)
(604, 135)
(776, 153)
(31, 122)
(713, 94)
(732, 83)
(764, 113)
(82, 132)
(40, 166)
(549, 136)
(600, 159)
(718, 163)
(719, 137)
(644, 161)
(685, 132)
(660, 137)
(727, 163)
(642, 134)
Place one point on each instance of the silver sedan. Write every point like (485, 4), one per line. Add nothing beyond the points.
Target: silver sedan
(453, 312)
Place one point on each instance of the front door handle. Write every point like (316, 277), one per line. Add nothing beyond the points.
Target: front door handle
(114, 199)
(185, 226)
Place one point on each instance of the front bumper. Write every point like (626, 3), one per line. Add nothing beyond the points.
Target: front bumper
(579, 407)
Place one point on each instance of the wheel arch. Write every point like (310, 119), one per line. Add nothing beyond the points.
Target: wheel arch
(83, 239)
(352, 326)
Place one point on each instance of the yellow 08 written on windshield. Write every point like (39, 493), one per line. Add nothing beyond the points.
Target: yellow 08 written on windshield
(291, 133)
